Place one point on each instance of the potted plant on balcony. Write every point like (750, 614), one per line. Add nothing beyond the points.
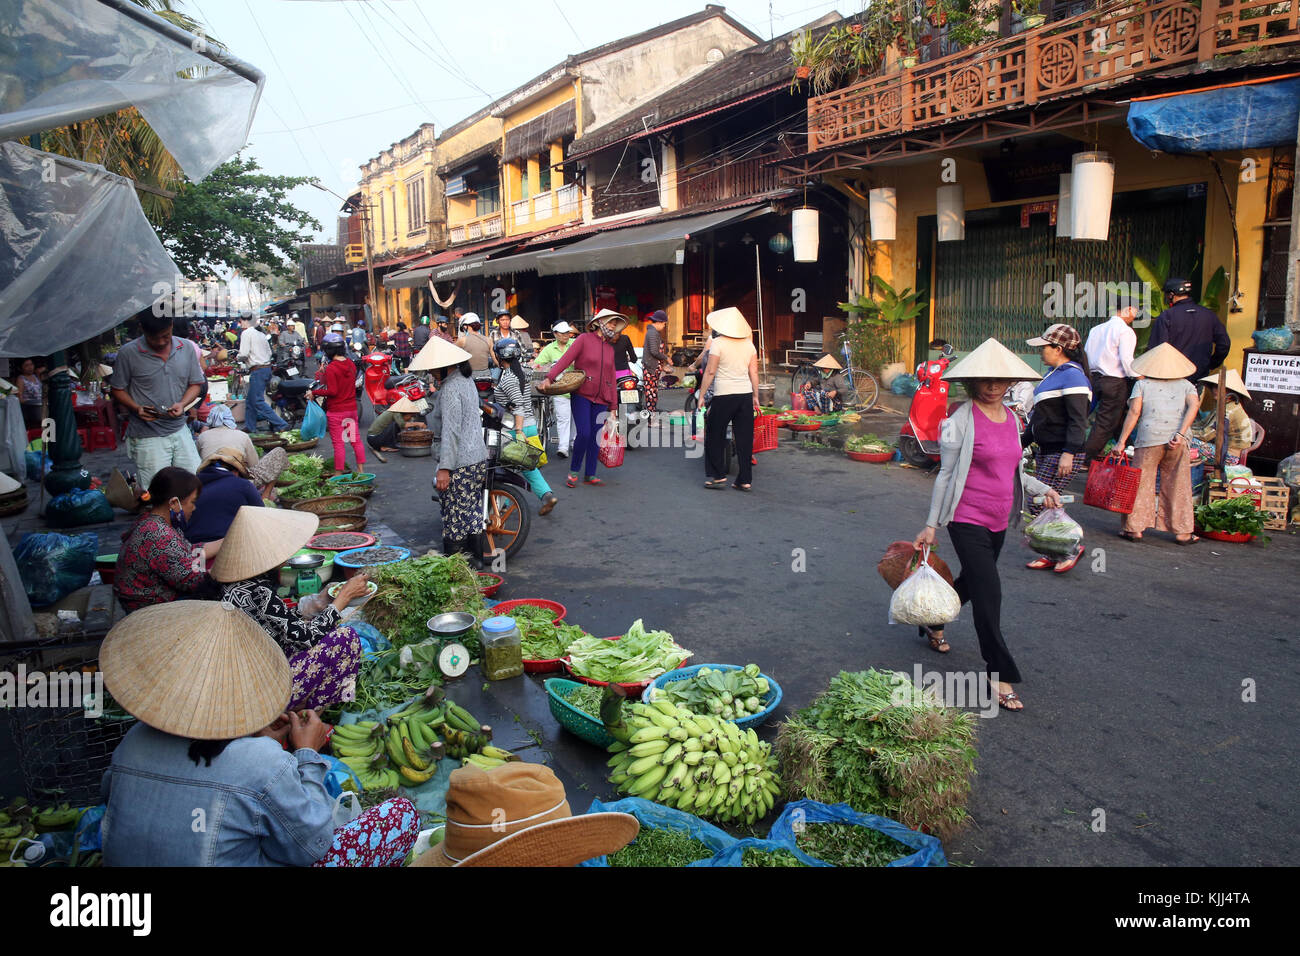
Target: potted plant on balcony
(1029, 13)
(874, 321)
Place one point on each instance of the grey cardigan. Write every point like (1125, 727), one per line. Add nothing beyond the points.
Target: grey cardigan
(956, 445)
(457, 421)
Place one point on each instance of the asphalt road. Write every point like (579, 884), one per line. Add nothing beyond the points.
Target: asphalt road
(1134, 672)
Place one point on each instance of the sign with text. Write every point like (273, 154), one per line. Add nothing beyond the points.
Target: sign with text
(1273, 372)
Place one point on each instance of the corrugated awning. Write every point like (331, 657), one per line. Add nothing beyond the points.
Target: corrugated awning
(652, 244)
(458, 268)
(523, 262)
(532, 137)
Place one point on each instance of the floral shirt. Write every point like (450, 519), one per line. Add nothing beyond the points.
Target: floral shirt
(288, 629)
(156, 566)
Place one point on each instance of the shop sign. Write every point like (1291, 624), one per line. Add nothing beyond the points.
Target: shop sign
(1271, 372)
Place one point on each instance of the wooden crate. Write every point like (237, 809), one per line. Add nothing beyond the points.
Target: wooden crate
(1273, 494)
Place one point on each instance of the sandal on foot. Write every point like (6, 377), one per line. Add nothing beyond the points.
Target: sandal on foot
(1039, 563)
(715, 483)
(571, 481)
(1130, 536)
(592, 481)
(1004, 701)
(937, 641)
(1068, 563)
(740, 487)
(1192, 540)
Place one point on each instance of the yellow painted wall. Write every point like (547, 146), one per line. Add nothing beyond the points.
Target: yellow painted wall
(545, 104)
(461, 209)
(514, 172)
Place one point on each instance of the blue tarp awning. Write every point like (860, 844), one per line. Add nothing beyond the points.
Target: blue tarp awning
(1246, 116)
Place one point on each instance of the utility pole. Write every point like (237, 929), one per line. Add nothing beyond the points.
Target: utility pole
(370, 263)
(1291, 315)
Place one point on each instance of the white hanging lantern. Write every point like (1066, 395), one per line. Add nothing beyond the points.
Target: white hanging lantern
(1063, 217)
(950, 202)
(805, 226)
(1092, 185)
(883, 206)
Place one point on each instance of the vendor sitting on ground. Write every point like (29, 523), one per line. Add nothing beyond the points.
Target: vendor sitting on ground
(1237, 423)
(828, 392)
(323, 655)
(216, 740)
(226, 488)
(157, 563)
(220, 431)
(403, 414)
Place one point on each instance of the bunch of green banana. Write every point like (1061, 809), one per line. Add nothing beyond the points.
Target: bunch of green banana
(361, 747)
(489, 757)
(413, 746)
(462, 732)
(698, 763)
(62, 817)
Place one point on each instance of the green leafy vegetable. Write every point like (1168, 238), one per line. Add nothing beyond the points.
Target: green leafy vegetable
(1238, 515)
(543, 640)
(640, 655)
(753, 856)
(842, 844)
(660, 847)
(868, 443)
(410, 592)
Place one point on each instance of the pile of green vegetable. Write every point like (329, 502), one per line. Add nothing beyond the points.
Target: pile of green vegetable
(1240, 515)
(731, 695)
(660, 847)
(1054, 534)
(753, 856)
(587, 699)
(842, 844)
(874, 741)
(306, 474)
(541, 639)
(382, 680)
(868, 444)
(412, 591)
(639, 656)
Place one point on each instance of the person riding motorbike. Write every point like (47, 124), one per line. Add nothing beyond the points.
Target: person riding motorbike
(512, 394)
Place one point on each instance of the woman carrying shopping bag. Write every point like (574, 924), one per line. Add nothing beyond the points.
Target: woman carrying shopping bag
(591, 353)
(978, 494)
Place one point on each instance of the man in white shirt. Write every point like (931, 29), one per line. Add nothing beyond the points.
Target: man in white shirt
(1110, 357)
(255, 350)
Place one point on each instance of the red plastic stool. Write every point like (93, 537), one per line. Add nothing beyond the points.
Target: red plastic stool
(84, 435)
(102, 438)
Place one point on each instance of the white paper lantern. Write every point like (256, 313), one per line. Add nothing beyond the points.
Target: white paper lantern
(950, 201)
(883, 206)
(1092, 185)
(1063, 217)
(805, 225)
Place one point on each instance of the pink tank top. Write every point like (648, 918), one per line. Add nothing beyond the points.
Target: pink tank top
(986, 500)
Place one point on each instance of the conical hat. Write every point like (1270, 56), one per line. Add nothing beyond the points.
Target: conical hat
(438, 353)
(1164, 362)
(729, 322)
(198, 669)
(992, 360)
(519, 322)
(260, 539)
(8, 484)
(1232, 381)
(828, 361)
(404, 404)
(227, 456)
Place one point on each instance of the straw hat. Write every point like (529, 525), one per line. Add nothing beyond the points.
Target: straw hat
(828, 361)
(519, 322)
(227, 456)
(518, 815)
(992, 360)
(1232, 381)
(438, 353)
(260, 539)
(1163, 362)
(269, 467)
(617, 317)
(8, 485)
(729, 322)
(198, 669)
(404, 404)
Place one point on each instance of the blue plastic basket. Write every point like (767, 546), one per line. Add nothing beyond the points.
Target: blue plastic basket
(576, 721)
(772, 698)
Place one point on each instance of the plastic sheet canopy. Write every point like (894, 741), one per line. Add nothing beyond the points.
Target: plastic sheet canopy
(1248, 116)
(77, 255)
(83, 58)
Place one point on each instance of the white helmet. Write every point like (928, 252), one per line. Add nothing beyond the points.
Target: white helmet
(468, 319)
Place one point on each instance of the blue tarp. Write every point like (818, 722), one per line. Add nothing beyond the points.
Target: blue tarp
(1238, 117)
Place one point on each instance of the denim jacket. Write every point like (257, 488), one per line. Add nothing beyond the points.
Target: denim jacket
(255, 806)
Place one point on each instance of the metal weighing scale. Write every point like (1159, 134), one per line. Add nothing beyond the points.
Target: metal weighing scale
(308, 580)
(453, 659)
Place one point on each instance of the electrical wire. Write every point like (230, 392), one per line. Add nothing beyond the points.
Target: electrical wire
(403, 83)
(566, 19)
(402, 29)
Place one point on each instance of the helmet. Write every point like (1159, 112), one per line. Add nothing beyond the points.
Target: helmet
(332, 338)
(424, 320)
(1177, 286)
(442, 320)
(501, 312)
(468, 319)
(507, 349)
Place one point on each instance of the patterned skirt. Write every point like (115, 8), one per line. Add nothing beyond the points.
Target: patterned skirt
(326, 673)
(381, 836)
(462, 502)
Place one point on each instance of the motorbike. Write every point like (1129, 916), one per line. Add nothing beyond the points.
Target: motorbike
(383, 387)
(918, 439)
(356, 352)
(631, 409)
(287, 388)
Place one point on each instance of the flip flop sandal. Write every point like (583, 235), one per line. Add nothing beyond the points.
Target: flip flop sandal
(1005, 699)
(1130, 536)
(1039, 563)
(937, 641)
(743, 487)
(571, 481)
(1063, 566)
(715, 483)
(1184, 541)
(592, 481)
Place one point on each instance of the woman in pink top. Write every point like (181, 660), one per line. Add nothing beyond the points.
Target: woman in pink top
(592, 353)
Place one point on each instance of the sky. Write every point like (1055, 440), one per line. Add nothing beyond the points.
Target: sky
(347, 78)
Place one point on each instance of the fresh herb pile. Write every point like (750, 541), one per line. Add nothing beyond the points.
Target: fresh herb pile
(639, 656)
(303, 467)
(1238, 515)
(411, 592)
(541, 639)
(731, 695)
(874, 741)
(869, 444)
(756, 857)
(842, 844)
(660, 847)
(587, 699)
(382, 680)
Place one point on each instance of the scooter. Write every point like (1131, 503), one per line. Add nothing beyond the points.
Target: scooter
(631, 408)
(385, 388)
(918, 439)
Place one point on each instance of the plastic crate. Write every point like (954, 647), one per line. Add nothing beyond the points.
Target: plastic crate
(765, 433)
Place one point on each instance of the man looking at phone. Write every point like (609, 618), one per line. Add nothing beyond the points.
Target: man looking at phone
(155, 378)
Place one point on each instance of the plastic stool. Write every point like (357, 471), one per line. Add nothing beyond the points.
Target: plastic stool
(102, 438)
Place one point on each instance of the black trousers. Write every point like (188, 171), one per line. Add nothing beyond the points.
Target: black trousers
(385, 439)
(1112, 404)
(977, 549)
(738, 412)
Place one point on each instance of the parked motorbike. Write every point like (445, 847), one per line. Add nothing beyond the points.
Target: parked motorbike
(631, 409)
(383, 387)
(918, 439)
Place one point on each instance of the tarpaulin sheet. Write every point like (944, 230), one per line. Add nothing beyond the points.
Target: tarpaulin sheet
(84, 58)
(1251, 116)
(77, 255)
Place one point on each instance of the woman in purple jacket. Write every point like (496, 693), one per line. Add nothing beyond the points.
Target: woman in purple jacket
(592, 353)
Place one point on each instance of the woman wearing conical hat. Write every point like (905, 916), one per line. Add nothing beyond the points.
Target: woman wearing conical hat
(1237, 423)
(827, 393)
(324, 654)
(1160, 414)
(978, 495)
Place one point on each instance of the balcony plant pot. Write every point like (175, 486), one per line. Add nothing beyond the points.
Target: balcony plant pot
(1034, 20)
(802, 72)
(909, 61)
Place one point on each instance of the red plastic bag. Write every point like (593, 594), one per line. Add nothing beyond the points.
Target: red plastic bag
(900, 559)
(612, 445)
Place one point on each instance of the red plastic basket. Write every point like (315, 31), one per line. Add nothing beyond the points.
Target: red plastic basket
(764, 433)
(1112, 485)
(489, 584)
(555, 607)
(544, 667)
(804, 426)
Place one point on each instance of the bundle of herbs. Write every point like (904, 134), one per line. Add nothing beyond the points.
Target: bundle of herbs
(383, 681)
(411, 592)
(588, 698)
(543, 640)
(874, 741)
(660, 847)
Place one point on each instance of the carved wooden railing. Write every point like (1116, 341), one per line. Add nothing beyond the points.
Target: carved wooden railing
(725, 179)
(1106, 47)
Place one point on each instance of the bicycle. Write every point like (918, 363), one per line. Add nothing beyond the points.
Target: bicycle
(863, 391)
(543, 410)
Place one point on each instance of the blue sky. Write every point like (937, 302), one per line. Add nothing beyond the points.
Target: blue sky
(346, 78)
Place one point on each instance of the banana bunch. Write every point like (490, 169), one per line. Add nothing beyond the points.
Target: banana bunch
(361, 747)
(698, 763)
(489, 757)
(17, 823)
(412, 742)
(463, 734)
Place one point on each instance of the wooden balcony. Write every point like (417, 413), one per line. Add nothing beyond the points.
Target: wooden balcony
(485, 227)
(724, 179)
(1116, 44)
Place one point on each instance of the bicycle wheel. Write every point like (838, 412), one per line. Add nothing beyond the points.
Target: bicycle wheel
(864, 390)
